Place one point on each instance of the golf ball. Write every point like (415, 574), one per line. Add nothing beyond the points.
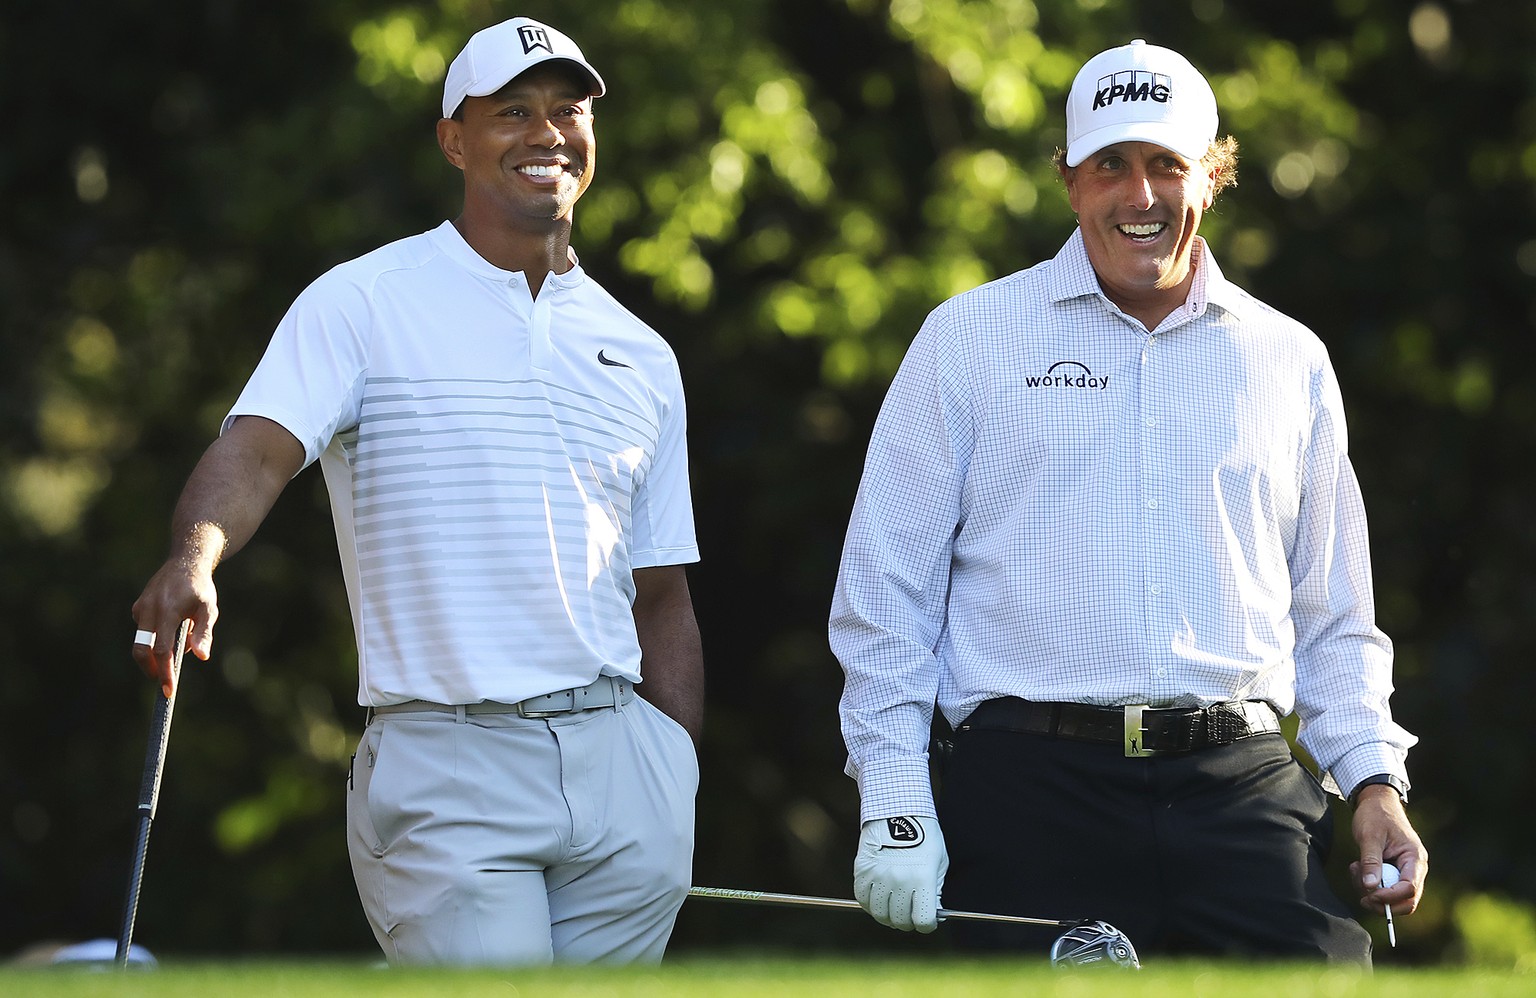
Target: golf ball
(1389, 875)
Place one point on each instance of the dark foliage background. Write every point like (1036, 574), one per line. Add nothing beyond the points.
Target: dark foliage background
(785, 189)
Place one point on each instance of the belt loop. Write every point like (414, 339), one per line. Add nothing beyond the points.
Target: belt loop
(460, 715)
(1213, 720)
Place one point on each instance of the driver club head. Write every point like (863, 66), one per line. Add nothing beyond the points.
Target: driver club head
(1094, 944)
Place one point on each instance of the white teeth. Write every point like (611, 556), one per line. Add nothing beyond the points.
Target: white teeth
(540, 171)
(1147, 229)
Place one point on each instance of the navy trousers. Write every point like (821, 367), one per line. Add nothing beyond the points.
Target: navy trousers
(1215, 852)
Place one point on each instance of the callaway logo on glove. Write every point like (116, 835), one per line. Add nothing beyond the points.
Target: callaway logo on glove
(905, 833)
(898, 871)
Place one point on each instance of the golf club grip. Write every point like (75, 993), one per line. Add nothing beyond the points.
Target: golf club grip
(160, 729)
(149, 793)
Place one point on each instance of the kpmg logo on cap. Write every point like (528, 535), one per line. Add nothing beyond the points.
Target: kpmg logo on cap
(534, 38)
(1133, 85)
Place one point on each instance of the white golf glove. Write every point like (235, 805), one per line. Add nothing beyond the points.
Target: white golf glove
(898, 872)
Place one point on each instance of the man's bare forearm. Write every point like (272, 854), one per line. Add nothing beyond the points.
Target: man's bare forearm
(232, 490)
(672, 655)
(226, 498)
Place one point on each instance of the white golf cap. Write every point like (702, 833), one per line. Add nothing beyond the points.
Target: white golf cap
(494, 56)
(1140, 93)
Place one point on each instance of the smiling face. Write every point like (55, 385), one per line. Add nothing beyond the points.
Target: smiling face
(1139, 206)
(527, 151)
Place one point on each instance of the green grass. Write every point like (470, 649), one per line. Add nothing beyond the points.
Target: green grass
(752, 977)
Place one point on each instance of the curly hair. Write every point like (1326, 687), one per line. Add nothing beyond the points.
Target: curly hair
(1221, 159)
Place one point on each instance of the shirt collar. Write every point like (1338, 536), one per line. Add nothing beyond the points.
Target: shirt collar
(1211, 287)
(451, 242)
(1072, 276)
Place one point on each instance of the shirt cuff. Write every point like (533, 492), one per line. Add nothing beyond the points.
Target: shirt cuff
(895, 787)
(1375, 759)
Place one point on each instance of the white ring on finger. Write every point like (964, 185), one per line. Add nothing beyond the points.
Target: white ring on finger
(143, 637)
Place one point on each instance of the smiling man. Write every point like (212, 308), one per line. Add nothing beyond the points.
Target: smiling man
(504, 446)
(1108, 528)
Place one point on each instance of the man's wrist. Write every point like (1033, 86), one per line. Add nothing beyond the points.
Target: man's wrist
(1380, 780)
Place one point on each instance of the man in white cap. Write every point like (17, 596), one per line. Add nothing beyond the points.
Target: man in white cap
(504, 446)
(1108, 527)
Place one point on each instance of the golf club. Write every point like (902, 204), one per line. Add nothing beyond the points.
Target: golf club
(1086, 941)
(149, 792)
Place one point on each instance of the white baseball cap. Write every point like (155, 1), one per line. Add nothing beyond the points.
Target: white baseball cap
(494, 56)
(1140, 93)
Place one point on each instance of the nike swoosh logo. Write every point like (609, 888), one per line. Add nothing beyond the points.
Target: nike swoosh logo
(603, 358)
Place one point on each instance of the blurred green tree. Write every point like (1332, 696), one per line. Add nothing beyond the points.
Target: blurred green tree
(786, 188)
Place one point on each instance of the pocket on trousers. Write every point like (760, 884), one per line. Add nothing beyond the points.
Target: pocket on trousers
(360, 789)
(1320, 820)
(684, 760)
(381, 808)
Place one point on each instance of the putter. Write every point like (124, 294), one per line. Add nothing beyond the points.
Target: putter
(149, 792)
(1086, 942)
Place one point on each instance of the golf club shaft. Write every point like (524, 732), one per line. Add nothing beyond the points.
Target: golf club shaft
(807, 901)
(149, 792)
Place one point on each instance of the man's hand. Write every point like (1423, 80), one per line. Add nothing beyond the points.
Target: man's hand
(1383, 833)
(181, 590)
(898, 872)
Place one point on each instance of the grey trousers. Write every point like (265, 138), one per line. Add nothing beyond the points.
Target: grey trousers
(502, 840)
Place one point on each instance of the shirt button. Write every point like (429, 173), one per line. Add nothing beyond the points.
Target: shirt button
(1162, 673)
(1155, 590)
(1151, 503)
(1150, 420)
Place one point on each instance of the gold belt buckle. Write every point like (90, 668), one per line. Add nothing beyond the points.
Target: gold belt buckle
(1135, 733)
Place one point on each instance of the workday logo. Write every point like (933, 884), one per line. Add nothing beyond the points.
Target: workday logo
(1068, 375)
(1131, 85)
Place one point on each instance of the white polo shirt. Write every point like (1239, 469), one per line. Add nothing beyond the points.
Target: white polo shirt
(497, 465)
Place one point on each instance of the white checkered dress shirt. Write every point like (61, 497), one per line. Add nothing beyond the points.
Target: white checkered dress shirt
(1059, 505)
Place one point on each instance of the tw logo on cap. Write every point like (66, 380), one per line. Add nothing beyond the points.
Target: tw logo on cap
(1133, 85)
(534, 38)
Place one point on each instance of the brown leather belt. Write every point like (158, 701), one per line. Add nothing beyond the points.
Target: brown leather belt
(1141, 730)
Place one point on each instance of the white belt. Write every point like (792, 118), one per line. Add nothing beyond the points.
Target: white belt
(605, 691)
